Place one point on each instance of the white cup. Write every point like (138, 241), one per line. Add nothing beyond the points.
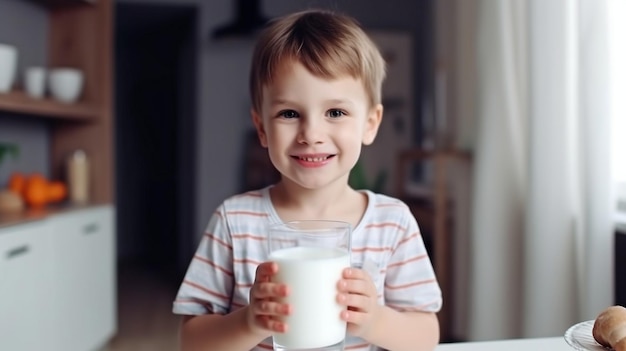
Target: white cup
(65, 84)
(311, 256)
(8, 66)
(35, 81)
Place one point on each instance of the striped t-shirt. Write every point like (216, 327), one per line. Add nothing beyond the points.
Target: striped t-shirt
(386, 242)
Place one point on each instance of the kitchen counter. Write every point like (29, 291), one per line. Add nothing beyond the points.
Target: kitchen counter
(52, 269)
(538, 344)
(29, 214)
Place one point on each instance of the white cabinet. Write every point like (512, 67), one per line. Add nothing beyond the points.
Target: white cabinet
(57, 282)
(84, 271)
(25, 302)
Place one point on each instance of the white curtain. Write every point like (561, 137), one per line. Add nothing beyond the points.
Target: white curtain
(541, 244)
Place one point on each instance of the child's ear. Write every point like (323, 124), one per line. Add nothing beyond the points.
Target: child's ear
(374, 118)
(260, 129)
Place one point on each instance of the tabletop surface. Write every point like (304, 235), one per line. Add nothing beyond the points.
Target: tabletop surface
(540, 344)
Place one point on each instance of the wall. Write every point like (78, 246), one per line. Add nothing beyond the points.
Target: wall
(23, 24)
(223, 84)
(32, 137)
(223, 115)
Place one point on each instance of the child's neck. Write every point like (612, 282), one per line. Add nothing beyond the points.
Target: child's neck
(335, 202)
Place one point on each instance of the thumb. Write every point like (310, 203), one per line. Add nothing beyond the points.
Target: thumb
(265, 271)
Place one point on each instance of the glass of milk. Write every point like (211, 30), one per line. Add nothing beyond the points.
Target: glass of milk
(311, 256)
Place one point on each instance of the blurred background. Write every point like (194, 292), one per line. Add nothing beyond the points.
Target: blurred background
(503, 132)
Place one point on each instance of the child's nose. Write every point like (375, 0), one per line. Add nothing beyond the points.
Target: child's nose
(311, 132)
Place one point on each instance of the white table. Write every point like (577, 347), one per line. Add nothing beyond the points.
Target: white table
(537, 344)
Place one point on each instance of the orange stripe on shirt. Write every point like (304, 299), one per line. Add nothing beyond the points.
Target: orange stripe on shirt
(191, 300)
(206, 290)
(421, 282)
(408, 238)
(386, 224)
(247, 213)
(245, 236)
(212, 264)
(247, 261)
(237, 305)
(218, 240)
(266, 347)
(391, 204)
(372, 249)
(419, 308)
(401, 263)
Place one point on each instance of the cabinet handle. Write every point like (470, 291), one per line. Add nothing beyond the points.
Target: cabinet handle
(90, 229)
(18, 251)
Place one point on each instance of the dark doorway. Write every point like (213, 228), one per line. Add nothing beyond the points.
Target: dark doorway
(155, 93)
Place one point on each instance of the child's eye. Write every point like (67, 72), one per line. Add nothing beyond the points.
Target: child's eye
(336, 113)
(288, 114)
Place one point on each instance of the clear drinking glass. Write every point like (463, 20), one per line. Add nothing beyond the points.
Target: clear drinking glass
(311, 256)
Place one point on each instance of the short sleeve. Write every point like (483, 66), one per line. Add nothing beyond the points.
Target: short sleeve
(208, 283)
(410, 283)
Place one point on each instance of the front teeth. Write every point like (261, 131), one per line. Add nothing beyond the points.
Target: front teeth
(313, 159)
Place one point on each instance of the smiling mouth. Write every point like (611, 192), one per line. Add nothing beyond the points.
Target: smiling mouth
(313, 159)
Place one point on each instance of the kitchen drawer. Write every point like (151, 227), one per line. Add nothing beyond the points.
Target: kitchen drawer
(84, 266)
(25, 283)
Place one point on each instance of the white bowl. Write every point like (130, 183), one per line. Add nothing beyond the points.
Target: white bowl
(8, 66)
(65, 84)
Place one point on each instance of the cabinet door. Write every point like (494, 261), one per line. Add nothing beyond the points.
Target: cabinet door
(25, 300)
(85, 278)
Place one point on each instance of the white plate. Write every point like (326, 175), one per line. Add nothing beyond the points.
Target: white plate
(580, 337)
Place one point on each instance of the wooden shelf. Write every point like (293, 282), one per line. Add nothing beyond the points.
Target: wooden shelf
(19, 102)
(80, 35)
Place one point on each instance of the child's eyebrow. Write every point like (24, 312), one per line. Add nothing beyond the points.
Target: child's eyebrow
(340, 102)
(281, 101)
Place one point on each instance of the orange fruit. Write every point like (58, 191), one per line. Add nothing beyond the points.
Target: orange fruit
(17, 182)
(36, 190)
(36, 194)
(56, 191)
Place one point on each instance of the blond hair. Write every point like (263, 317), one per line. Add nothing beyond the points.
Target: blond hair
(328, 44)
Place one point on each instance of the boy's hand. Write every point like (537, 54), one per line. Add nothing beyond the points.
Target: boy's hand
(263, 309)
(358, 292)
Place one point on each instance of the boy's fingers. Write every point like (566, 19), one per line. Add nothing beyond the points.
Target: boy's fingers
(265, 290)
(355, 302)
(350, 272)
(272, 308)
(272, 324)
(356, 273)
(265, 270)
(354, 286)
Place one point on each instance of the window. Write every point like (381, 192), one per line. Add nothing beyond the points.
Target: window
(617, 50)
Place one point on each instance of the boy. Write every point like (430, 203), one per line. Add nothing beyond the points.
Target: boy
(316, 99)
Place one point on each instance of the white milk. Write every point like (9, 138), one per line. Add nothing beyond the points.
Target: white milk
(312, 275)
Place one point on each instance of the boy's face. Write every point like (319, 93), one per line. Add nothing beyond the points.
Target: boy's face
(313, 127)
